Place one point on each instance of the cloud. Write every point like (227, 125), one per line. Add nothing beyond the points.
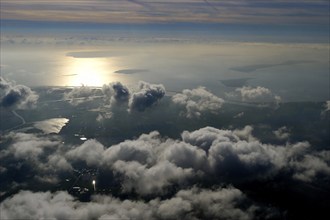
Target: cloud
(326, 108)
(90, 152)
(147, 96)
(198, 101)
(239, 115)
(218, 204)
(258, 93)
(142, 150)
(142, 4)
(282, 133)
(150, 180)
(237, 155)
(186, 156)
(252, 12)
(156, 177)
(35, 157)
(204, 137)
(194, 203)
(142, 165)
(309, 167)
(150, 164)
(118, 95)
(254, 94)
(16, 96)
(79, 95)
(29, 146)
(245, 133)
(57, 162)
(116, 92)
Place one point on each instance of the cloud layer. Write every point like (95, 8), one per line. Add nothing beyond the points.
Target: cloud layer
(152, 165)
(194, 203)
(155, 177)
(199, 173)
(236, 11)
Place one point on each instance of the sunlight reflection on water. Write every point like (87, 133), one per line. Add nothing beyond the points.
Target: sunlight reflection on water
(88, 71)
(53, 125)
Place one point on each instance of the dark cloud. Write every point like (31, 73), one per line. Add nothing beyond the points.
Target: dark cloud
(148, 95)
(197, 101)
(238, 155)
(16, 96)
(116, 92)
(121, 92)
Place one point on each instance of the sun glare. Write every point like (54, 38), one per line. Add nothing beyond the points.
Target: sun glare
(89, 71)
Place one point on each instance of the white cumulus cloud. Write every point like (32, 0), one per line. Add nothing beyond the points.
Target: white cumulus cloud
(257, 94)
(198, 101)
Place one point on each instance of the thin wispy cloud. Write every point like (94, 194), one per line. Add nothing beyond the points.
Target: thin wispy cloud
(211, 5)
(141, 3)
(134, 11)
